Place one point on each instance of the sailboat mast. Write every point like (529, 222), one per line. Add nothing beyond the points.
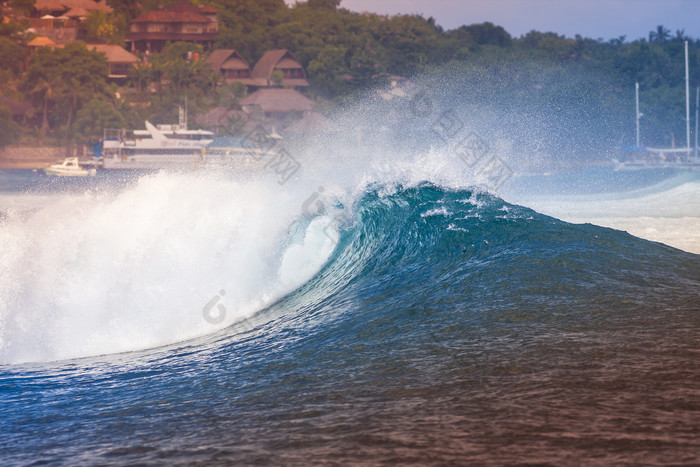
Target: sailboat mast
(697, 104)
(636, 99)
(687, 99)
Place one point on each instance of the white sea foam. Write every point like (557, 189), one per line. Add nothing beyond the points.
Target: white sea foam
(441, 211)
(100, 273)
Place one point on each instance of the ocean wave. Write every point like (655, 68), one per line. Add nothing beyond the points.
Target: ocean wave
(181, 256)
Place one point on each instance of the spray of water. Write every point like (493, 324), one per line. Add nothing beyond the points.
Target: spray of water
(179, 255)
(98, 273)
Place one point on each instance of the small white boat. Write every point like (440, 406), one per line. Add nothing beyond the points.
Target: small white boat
(69, 167)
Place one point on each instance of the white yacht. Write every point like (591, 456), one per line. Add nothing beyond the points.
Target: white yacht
(156, 147)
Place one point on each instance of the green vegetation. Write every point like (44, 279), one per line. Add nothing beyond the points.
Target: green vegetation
(9, 130)
(12, 57)
(96, 115)
(106, 28)
(576, 86)
(60, 81)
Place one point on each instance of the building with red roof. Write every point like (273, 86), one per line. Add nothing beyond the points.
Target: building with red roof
(181, 21)
(231, 66)
(277, 103)
(119, 61)
(293, 74)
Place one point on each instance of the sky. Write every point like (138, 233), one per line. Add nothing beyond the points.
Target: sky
(606, 19)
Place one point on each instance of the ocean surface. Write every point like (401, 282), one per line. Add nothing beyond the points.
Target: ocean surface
(211, 319)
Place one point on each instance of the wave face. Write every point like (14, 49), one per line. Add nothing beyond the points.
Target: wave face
(416, 324)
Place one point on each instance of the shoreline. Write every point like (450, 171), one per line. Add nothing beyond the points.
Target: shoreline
(23, 165)
(30, 157)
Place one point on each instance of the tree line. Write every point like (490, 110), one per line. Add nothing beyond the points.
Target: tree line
(583, 87)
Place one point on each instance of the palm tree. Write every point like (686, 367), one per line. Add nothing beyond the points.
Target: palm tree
(659, 36)
(140, 75)
(681, 36)
(45, 90)
(73, 96)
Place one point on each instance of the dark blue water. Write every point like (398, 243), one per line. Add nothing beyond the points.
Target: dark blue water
(448, 327)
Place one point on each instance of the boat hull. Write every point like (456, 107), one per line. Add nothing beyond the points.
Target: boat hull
(70, 167)
(178, 161)
(68, 173)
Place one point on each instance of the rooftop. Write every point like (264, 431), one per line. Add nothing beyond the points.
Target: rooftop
(278, 100)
